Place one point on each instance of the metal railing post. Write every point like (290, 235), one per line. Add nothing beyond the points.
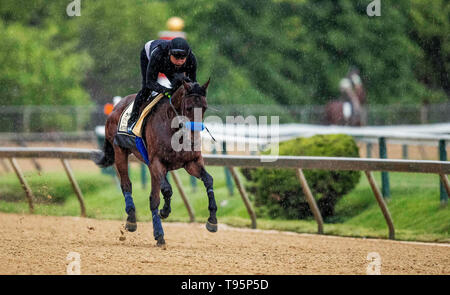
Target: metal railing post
(227, 171)
(183, 195)
(75, 186)
(143, 175)
(381, 203)
(385, 187)
(444, 191)
(193, 183)
(23, 182)
(405, 151)
(244, 196)
(369, 150)
(311, 201)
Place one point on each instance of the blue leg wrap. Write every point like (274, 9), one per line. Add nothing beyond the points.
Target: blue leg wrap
(141, 148)
(128, 202)
(157, 226)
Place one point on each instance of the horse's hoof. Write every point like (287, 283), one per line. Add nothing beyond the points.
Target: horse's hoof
(161, 242)
(212, 227)
(163, 214)
(131, 226)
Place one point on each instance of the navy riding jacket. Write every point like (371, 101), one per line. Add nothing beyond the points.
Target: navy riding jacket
(157, 52)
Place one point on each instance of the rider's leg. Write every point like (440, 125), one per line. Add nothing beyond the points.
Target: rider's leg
(143, 94)
(138, 101)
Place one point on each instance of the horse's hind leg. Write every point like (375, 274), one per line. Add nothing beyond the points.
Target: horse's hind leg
(166, 190)
(157, 172)
(121, 161)
(197, 169)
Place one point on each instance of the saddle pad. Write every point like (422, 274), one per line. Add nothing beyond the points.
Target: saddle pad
(123, 121)
(128, 140)
(122, 137)
(137, 130)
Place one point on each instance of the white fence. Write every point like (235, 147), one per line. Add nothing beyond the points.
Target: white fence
(85, 118)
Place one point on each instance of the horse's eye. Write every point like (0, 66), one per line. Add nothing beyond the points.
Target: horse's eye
(189, 109)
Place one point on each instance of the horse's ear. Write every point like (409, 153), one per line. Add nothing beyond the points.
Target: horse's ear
(186, 86)
(177, 95)
(205, 86)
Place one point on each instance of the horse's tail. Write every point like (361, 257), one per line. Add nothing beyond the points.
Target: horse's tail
(106, 157)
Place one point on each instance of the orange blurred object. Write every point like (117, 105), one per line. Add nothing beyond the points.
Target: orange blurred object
(108, 108)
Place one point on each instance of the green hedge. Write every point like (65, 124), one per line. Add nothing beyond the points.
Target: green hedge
(278, 193)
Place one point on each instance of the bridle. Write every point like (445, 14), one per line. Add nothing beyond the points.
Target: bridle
(180, 124)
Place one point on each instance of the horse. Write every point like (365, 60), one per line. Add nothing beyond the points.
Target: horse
(343, 112)
(160, 137)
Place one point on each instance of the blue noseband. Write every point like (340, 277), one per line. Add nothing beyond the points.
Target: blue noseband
(194, 126)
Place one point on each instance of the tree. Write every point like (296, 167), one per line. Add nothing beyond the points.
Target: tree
(33, 72)
(114, 33)
(256, 52)
(297, 51)
(431, 27)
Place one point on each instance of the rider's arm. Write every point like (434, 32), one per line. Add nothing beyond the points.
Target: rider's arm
(153, 70)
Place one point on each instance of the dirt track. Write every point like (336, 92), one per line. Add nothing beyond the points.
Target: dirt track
(32, 244)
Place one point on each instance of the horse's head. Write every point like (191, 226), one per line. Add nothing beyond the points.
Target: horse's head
(190, 100)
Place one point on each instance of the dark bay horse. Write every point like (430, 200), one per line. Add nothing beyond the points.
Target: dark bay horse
(349, 109)
(163, 152)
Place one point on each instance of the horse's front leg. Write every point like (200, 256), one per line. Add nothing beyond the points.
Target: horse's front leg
(166, 190)
(157, 172)
(198, 170)
(121, 161)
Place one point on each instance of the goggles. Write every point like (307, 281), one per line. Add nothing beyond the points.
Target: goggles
(178, 53)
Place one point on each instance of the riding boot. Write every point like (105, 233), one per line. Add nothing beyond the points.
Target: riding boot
(140, 98)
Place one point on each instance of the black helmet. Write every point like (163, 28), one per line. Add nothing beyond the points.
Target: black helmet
(179, 47)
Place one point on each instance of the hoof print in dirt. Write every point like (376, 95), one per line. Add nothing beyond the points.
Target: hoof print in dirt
(122, 236)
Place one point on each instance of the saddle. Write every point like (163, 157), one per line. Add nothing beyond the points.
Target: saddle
(125, 139)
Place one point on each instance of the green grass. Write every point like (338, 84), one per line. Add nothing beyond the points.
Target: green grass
(414, 204)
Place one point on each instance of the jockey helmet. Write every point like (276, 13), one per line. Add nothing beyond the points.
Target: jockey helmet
(179, 48)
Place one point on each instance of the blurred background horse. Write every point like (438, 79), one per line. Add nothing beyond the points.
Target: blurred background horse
(349, 109)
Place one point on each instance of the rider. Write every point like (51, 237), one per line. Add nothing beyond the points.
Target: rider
(352, 90)
(168, 57)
